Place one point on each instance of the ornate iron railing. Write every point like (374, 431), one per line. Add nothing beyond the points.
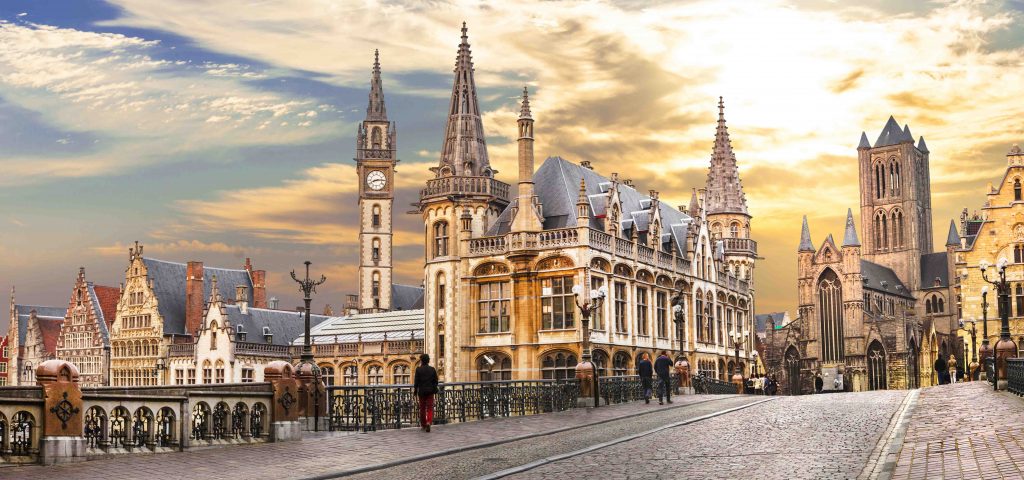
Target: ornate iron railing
(1015, 376)
(713, 386)
(372, 407)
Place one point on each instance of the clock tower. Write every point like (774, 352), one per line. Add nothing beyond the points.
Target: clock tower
(375, 165)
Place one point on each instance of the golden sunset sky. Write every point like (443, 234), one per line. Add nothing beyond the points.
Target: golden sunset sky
(222, 130)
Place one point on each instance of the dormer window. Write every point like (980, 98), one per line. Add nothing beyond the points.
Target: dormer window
(239, 333)
(267, 336)
(1016, 190)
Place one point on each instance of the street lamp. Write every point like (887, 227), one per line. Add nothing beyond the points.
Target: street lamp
(586, 372)
(1005, 348)
(308, 286)
(737, 340)
(973, 368)
(753, 363)
(679, 318)
(986, 349)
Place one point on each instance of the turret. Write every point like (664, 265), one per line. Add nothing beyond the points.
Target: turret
(527, 217)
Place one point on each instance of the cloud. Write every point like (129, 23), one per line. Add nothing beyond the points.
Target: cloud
(176, 248)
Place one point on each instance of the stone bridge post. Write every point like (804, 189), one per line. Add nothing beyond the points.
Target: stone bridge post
(62, 434)
(284, 420)
(312, 397)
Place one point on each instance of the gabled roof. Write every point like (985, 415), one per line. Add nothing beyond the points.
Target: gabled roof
(934, 265)
(49, 327)
(396, 325)
(874, 275)
(406, 297)
(892, 134)
(864, 143)
(284, 326)
(23, 312)
(557, 186)
(104, 300)
(169, 287)
(952, 238)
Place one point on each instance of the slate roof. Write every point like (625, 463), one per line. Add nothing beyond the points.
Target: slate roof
(934, 265)
(952, 238)
(169, 287)
(892, 134)
(397, 325)
(406, 297)
(874, 274)
(285, 326)
(805, 238)
(557, 186)
(850, 236)
(106, 319)
(23, 311)
(761, 321)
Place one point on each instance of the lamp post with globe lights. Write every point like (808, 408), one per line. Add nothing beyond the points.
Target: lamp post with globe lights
(973, 367)
(586, 371)
(986, 349)
(682, 365)
(1005, 348)
(737, 338)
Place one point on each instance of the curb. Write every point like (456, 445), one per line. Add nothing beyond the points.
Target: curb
(894, 446)
(450, 451)
(545, 461)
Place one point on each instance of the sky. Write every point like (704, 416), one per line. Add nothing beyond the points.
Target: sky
(221, 130)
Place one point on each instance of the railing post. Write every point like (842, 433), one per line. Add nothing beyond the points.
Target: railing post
(284, 425)
(63, 437)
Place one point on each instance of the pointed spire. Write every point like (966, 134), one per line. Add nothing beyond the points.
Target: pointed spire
(864, 141)
(805, 238)
(724, 189)
(953, 238)
(922, 146)
(850, 237)
(464, 152)
(694, 205)
(907, 136)
(891, 134)
(582, 198)
(524, 112)
(375, 110)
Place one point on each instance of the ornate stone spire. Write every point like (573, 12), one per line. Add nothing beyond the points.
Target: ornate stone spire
(850, 237)
(724, 190)
(376, 110)
(524, 111)
(464, 152)
(526, 215)
(805, 238)
(952, 238)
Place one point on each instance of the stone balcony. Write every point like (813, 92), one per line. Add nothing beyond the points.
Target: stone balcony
(484, 186)
(740, 246)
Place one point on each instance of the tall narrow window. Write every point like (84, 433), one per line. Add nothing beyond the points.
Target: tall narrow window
(620, 307)
(661, 304)
(1016, 190)
(597, 316)
(375, 375)
(641, 311)
(1020, 300)
(375, 250)
(878, 232)
(885, 232)
(558, 305)
(1016, 254)
(350, 375)
(375, 138)
(441, 239)
(375, 285)
(901, 229)
(719, 318)
(830, 312)
(895, 231)
(441, 300)
(375, 216)
(699, 323)
(493, 306)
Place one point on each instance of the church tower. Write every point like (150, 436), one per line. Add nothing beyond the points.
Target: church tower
(462, 201)
(375, 166)
(726, 205)
(896, 201)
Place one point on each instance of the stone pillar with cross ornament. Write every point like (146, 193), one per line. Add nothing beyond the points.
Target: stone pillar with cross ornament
(62, 440)
(284, 420)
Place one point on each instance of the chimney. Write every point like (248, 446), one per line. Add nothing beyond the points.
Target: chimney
(351, 304)
(628, 182)
(194, 297)
(586, 164)
(241, 299)
(273, 303)
(259, 285)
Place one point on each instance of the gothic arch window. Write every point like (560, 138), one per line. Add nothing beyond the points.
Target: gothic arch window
(885, 231)
(440, 239)
(1018, 253)
(375, 375)
(327, 372)
(792, 364)
(441, 299)
(558, 366)
(1016, 190)
(879, 180)
(876, 367)
(501, 369)
(350, 375)
(830, 312)
(375, 138)
(400, 374)
(894, 177)
(900, 229)
(620, 364)
(878, 231)
(375, 216)
(734, 230)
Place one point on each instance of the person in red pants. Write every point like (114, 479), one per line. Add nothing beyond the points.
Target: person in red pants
(425, 386)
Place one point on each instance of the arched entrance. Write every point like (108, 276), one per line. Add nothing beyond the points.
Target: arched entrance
(792, 365)
(876, 367)
(913, 366)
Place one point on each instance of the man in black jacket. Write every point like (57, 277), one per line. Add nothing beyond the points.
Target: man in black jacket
(646, 372)
(663, 367)
(425, 386)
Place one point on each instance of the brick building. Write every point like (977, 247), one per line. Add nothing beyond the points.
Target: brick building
(4, 361)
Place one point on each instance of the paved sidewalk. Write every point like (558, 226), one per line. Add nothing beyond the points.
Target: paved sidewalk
(328, 455)
(963, 431)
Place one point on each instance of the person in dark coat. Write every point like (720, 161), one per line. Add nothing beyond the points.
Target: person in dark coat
(646, 371)
(819, 383)
(663, 367)
(425, 387)
(940, 370)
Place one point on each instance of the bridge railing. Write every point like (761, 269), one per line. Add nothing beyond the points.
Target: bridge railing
(1015, 376)
(714, 386)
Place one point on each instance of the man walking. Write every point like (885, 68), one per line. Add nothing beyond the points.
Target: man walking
(662, 366)
(425, 386)
(940, 370)
(646, 372)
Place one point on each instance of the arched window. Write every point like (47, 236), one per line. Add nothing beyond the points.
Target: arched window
(400, 374)
(375, 216)
(500, 369)
(350, 375)
(620, 364)
(600, 360)
(375, 375)
(375, 289)
(928, 305)
(213, 337)
(220, 371)
(441, 239)
(734, 230)
(1016, 189)
(885, 232)
(899, 228)
(375, 250)
(879, 180)
(558, 366)
(894, 177)
(941, 308)
(878, 232)
(207, 372)
(830, 311)
(1018, 254)
(792, 365)
(876, 367)
(327, 372)
(375, 138)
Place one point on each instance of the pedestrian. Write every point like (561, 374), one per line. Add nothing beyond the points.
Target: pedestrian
(775, 385)
(952, 369)
(425, 387)
(662, 366)
(819, 383)
(646, 371)
(940, 370)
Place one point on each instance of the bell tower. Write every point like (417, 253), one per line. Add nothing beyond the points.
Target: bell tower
(375, 167)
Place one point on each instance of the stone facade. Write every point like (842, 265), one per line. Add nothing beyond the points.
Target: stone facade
(500, 272)
(877, 313)
(84, 335)
(30, 352)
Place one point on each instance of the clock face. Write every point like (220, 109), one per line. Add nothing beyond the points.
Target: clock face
(376, 180)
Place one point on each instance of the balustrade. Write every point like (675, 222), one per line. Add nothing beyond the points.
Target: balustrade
(487, 246)
(465, 186)
(601, 241)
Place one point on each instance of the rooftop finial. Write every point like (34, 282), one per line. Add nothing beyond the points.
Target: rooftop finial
(465, 34)
(376, 61)
(375, 109)
(721, 108)
(805, 238)
(850, 237)
(524, 112)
